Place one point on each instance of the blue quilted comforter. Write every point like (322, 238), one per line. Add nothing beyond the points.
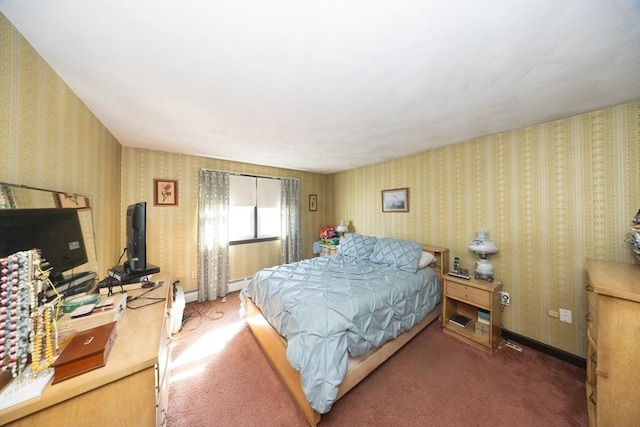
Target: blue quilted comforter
(330, 308)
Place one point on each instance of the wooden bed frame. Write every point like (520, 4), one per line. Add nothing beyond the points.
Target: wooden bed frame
(274, 347)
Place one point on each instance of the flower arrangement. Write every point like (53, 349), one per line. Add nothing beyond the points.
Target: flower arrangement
(633, 238)
(329, 236)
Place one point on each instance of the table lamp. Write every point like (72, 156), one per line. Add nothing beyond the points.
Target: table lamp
(342, 228)
(484, 247)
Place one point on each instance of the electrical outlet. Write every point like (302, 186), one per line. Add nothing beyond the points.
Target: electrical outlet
(504, 298)
(565, 315)
(194, 275)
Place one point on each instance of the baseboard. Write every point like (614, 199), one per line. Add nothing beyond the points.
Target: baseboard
(191, 296)
(578, 361)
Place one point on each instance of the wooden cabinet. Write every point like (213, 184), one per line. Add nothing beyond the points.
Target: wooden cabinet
(132, 389)
(467, 297)
(613, 343)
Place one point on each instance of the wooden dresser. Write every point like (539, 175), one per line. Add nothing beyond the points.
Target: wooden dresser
(613, 344)
(131, 390)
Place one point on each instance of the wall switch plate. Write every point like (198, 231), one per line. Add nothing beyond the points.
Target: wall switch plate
(565, 315)
(553, 313)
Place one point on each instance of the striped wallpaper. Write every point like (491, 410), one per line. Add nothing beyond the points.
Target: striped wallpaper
(172, 230)
(49, 139)
(550, 194)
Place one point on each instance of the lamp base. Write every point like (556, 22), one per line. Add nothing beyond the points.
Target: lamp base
(484, 276)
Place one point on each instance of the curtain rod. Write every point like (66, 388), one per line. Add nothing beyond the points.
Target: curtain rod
(250, 175)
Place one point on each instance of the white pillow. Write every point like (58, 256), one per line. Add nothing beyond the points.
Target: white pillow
(425, 259)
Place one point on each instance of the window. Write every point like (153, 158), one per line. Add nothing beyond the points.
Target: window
(254, 208)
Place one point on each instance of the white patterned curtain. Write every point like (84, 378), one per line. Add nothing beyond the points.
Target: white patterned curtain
(213, 235)
(290, 214)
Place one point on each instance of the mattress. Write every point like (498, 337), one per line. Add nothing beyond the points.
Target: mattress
(331, 308)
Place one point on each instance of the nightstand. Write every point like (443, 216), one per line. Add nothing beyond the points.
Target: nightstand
(468, 297)
(327, 250)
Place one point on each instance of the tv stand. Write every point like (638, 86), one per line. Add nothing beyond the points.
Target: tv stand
(124, 275)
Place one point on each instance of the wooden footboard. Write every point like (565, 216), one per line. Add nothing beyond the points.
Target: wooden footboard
(275, 348)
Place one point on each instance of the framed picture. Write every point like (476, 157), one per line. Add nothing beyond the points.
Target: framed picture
(165, 192)
(66, 200)
(313, 202)
(396, 200)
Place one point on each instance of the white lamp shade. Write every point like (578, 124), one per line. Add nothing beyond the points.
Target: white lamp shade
(342, 227)
(482, 244)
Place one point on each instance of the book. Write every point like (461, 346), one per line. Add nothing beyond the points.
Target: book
(460, 320)
(483, 317)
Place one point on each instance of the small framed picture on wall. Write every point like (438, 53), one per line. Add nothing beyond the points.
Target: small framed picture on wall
(165, 192)
(313, 202)
(66, 200)
(396, 200)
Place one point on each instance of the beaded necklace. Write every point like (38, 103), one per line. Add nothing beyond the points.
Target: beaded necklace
(23, 323)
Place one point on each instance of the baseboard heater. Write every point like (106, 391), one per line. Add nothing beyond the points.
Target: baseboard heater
(573, 359)
(234, 285)
(238, 284)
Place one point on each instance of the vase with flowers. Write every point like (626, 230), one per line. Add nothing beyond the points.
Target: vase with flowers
(633, 238)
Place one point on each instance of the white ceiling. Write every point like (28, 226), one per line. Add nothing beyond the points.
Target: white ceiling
(332, 85)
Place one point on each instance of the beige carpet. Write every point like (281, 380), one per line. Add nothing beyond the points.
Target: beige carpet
(220, 377)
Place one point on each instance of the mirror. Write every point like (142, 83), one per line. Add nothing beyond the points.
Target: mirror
(13, 196)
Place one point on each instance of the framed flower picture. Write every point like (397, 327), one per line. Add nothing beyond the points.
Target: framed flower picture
(313, 202)
(66, 200)
(165, 192)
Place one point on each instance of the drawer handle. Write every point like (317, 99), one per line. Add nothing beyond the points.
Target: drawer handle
(588, 317)
(164, 417)
(592, 397)
(589, 288)
(602, 373)
(591, 340)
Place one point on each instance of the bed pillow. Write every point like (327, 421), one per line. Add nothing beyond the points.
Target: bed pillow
(425, 259)
(357, 246)
(402, 254)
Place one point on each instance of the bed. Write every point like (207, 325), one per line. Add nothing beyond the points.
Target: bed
(326, 323)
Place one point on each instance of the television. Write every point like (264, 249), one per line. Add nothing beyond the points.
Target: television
(55, 231)
(136, 238)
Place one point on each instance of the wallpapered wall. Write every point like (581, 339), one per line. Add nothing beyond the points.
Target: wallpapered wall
(173, 230)
(50, 139)
(551, 195)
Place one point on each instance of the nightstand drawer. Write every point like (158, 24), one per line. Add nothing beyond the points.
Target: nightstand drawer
(469, 294)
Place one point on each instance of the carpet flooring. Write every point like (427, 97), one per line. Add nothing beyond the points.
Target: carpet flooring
(220, 377)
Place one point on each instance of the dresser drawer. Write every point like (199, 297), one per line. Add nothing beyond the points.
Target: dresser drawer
(469, 294)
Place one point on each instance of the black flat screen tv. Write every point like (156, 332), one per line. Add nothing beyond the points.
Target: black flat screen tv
(136, 238)
(55, 231)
